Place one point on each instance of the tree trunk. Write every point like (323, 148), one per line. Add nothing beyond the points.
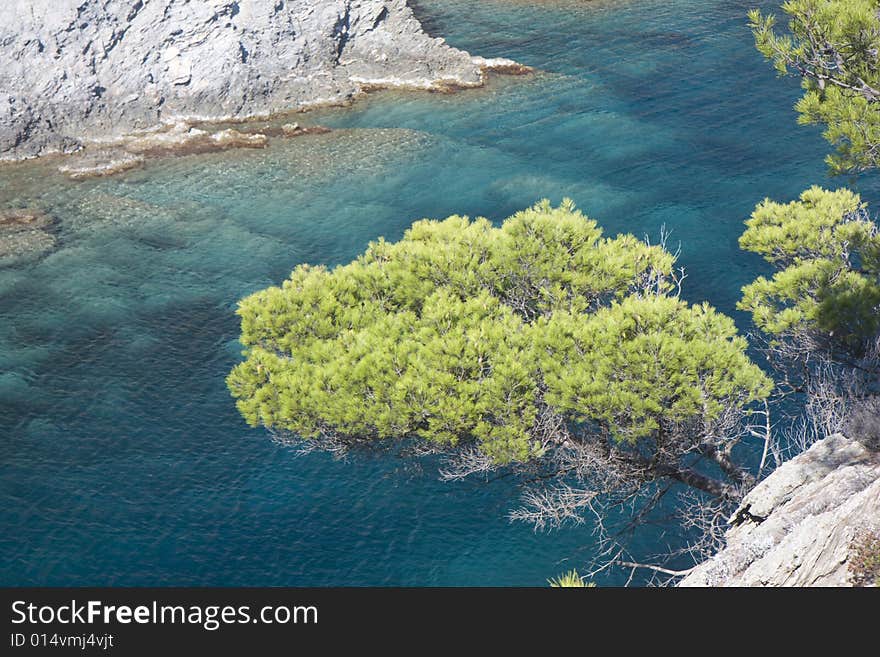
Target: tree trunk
(696, 480)
(722, 458)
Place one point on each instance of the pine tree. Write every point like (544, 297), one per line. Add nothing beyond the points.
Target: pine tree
(541, 345)
(833, 45)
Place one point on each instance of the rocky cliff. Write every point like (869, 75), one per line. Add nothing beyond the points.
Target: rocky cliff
(80, 70)
(798, 526)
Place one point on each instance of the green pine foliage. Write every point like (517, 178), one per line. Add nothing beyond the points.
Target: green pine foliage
(569, 580)
(642, 362)
(827, 254)
(459, 333)
(833, 45)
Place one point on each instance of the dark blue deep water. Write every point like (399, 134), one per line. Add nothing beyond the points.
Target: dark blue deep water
(122, 458)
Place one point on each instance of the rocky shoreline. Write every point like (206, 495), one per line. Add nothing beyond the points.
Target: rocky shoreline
(107, 75)
(800, 526)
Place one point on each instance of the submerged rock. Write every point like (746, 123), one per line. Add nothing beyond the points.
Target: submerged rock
(181, 139)
(133, 150)
(296, 130)
(18, 219)
(76, 71)
(24, 233)
(799, 525)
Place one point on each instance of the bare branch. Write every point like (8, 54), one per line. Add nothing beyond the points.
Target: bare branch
(659, 569)
(466, 462)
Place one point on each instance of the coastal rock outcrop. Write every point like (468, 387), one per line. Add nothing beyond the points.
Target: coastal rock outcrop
(798, 526)
(76, 71)
(110, 157)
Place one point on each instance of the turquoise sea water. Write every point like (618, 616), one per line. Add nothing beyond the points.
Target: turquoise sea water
(122, 458)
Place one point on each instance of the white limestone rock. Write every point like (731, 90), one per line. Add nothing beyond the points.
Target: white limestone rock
(79, 70)
(797, 527)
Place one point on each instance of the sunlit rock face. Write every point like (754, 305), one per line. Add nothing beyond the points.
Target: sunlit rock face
(798, 526)
(79, 70)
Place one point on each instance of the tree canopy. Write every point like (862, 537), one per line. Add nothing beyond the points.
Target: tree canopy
(826, 289)
(541, 342)
(833, 45)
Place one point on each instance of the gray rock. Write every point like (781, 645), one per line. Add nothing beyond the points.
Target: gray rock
(81, 70)
(796, 528)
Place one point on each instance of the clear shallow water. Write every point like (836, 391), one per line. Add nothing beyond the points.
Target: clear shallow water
(122, 458)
